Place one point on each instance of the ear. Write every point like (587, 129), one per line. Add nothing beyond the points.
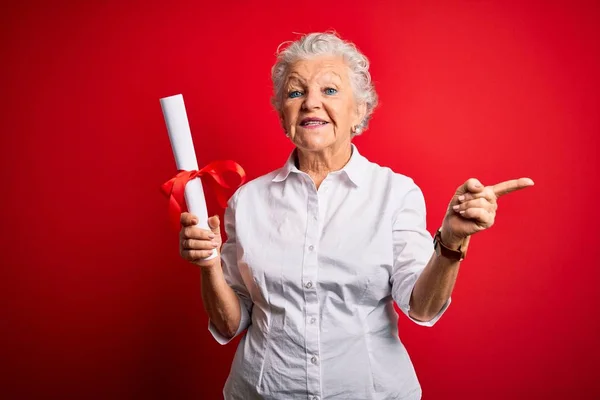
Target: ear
(361, 112)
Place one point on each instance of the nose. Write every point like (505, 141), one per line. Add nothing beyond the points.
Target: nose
(312, 100)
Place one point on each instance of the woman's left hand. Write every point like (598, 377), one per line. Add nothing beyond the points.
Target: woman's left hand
(473, 208)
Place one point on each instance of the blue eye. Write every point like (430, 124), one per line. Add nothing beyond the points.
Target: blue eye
(330, 91)
(294, 94)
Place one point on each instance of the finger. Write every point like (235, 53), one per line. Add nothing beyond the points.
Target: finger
(214, 224)
(191, 232)
(487, 193)
(193, 244)
(506, 187)
(194, 255)
(188, 219)
(471, 185)
(475, 203)
(480, 215)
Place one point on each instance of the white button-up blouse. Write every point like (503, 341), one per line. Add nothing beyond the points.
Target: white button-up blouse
(316, 273)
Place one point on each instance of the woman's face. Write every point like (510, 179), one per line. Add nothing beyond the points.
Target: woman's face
(319, 109)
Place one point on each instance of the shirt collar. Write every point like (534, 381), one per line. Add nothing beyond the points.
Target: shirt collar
(355, 168)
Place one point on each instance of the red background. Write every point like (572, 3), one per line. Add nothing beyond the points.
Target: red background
(96, 302)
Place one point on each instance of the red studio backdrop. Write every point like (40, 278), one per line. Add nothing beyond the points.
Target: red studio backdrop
(96, 302)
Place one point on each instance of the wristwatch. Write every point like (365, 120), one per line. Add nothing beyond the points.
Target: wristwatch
(442, 251)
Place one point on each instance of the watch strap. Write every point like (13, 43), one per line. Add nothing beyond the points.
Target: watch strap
(442, 250)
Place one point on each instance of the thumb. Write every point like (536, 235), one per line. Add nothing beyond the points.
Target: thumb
(470, 186)
(214, 224)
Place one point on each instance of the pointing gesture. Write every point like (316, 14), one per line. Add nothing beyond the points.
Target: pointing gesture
(473, 208)
(507, 187)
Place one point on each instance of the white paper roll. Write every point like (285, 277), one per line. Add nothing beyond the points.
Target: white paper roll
(185, 157)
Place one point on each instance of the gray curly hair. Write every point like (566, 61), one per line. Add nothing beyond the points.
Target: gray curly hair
(318, 44)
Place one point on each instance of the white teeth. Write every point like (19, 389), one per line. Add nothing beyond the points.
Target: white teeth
(314, 123)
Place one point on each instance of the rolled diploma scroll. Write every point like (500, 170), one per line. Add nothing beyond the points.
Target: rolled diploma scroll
(185, 157)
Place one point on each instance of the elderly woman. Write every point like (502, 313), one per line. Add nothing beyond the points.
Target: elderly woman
(318, 251)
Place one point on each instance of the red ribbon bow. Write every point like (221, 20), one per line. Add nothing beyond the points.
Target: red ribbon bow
(175, 187)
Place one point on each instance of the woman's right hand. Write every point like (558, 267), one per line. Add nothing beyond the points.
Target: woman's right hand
(195, 244)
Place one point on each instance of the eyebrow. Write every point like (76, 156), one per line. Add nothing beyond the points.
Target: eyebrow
(331, 78)
(294, 77)
(334, 74)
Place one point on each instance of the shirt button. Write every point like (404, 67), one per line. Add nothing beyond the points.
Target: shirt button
(316, 217)
(313, 360)
(308, 285)
(313, 320)
(311, 247)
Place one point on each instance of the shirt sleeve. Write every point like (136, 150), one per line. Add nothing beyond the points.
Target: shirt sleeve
(232, 274)
(413, 247)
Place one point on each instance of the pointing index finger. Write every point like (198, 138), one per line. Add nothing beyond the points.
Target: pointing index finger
(506, 187)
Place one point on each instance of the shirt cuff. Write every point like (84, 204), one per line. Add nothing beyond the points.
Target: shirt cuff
(244, 323)
(435, 319)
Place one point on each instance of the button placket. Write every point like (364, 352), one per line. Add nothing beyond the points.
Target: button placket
(309, 282)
